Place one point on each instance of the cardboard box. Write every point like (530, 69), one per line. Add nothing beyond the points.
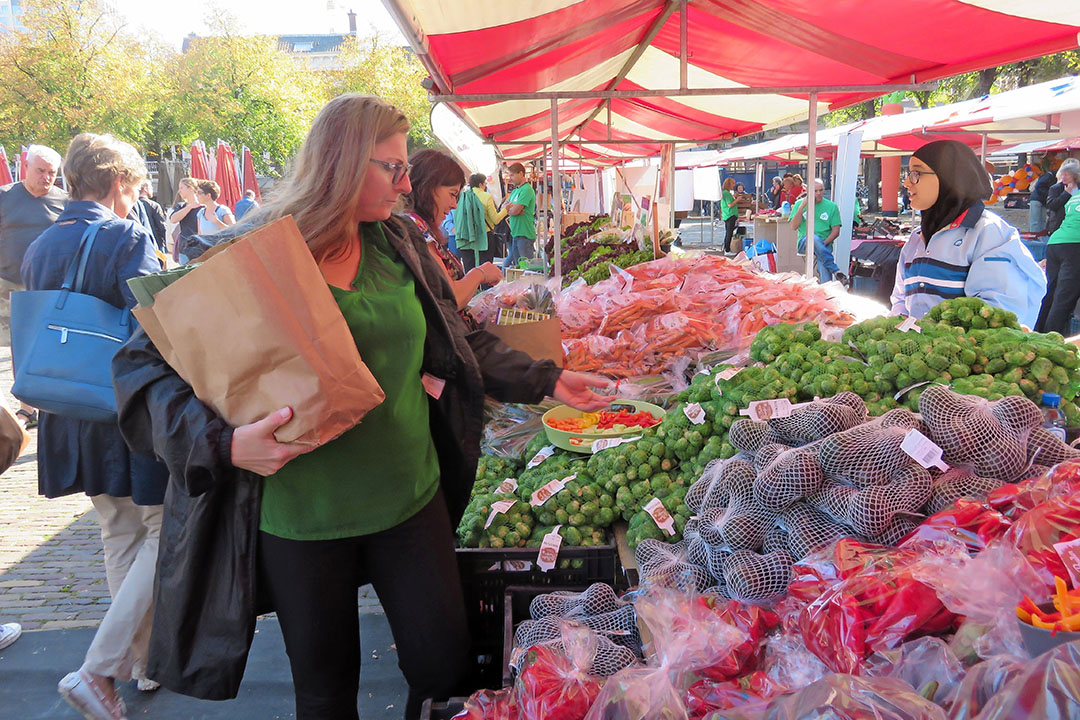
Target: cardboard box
(542, 340)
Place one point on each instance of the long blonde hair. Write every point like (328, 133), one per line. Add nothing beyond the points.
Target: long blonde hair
(322, 189)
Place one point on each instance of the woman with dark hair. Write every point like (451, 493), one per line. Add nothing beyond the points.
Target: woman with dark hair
(960, 248)
(776, 193)
(254, 524)
(437, 180)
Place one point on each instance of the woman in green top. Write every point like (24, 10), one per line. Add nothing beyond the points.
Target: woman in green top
(377, 504)
(728, 213)
(1063, 265)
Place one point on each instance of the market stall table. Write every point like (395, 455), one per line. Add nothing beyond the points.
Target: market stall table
(777, 230)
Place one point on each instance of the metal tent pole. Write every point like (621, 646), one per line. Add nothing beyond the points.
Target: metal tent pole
(811, 160)
(556, 186)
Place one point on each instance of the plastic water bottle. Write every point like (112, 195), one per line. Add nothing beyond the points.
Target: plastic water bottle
(785, 208)
(1053, 418)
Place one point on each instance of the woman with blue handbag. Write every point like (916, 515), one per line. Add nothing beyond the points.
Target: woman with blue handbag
(75, 455)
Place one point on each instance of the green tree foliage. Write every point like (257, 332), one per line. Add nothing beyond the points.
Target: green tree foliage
(375, 67)
(239, 88)
(74, 69)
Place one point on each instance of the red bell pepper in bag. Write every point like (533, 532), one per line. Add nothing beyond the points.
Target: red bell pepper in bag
(555, 683)
(706, 696)
(756, 622)
(489, 705)
(1055, 521)
(971, 521)
(875, 605)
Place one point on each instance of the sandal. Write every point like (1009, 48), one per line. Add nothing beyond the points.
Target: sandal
(31, 418)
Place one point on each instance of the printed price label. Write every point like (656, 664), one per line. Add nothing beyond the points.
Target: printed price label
(540, 457)
(923, 450)
(768, 409)
(694, 413)
(727, 374)
(544, 494)
(832, 334)
(1070, 555)
(507, 486)
(909, 325)
(608, 443)
(498, 508)
(549, 549)
(660, 516)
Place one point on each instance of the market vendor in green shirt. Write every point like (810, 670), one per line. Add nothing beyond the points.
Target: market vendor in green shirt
(826, 229)
(521, 207)
(729, 213)
(1063, 262)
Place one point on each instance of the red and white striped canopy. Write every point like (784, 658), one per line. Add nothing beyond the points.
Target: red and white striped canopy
(496, 47)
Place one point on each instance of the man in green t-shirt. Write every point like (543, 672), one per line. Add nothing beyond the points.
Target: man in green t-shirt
(826, 230)
(521, 207)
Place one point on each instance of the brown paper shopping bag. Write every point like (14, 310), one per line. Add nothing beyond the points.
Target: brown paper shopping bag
(255, 329)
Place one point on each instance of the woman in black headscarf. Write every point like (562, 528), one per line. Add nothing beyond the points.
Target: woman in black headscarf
(961, 249)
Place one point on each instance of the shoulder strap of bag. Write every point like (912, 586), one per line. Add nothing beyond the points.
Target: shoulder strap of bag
(76, 271)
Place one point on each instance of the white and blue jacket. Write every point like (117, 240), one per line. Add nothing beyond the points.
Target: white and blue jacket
(978, 255)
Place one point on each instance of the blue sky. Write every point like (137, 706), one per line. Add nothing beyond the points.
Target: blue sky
(171, 21)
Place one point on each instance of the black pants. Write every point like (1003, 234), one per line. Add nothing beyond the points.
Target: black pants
(468, 257)
(729, 231)
(1062, 287)
(313, 586)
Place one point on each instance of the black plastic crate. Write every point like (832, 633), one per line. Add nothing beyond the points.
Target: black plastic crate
(442, 710)
(487, 573)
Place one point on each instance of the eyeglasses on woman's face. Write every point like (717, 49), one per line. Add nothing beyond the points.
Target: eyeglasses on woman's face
(398, 170)
(914, 175)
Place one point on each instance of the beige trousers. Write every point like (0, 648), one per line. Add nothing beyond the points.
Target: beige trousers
(130, 535)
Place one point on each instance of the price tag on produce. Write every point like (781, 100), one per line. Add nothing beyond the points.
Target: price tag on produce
(727, 374)
(549, 549)
(694, 413)
(768, 409)
(498, 508)
(507, 486)
(608, 443)
(923, 450)
(540, 457)
(1070, 556)
(544, 494)
(832, 334)
(909, 325)
(660, 516)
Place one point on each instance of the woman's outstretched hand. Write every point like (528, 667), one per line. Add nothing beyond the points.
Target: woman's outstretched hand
(254, 447)
(576, 390)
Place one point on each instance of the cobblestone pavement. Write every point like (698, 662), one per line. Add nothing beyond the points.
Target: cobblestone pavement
(52, 572)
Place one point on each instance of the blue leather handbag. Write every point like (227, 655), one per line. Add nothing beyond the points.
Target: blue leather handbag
(63, 342)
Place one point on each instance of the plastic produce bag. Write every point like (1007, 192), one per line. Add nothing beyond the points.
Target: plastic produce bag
(756, 622)
(490, 705)
(928, 665)
(974, 523)
(844, 697)
(985, 589)
(1054, 521)
(874, 603)
(555, 681)
(1015, 499)
(688, 635)
(789, 664)
(982, 682)
(1047, 688)
(508, 427)
(753, 690)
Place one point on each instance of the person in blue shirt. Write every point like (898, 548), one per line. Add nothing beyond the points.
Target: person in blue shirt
(961, 248)
(246, 204)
